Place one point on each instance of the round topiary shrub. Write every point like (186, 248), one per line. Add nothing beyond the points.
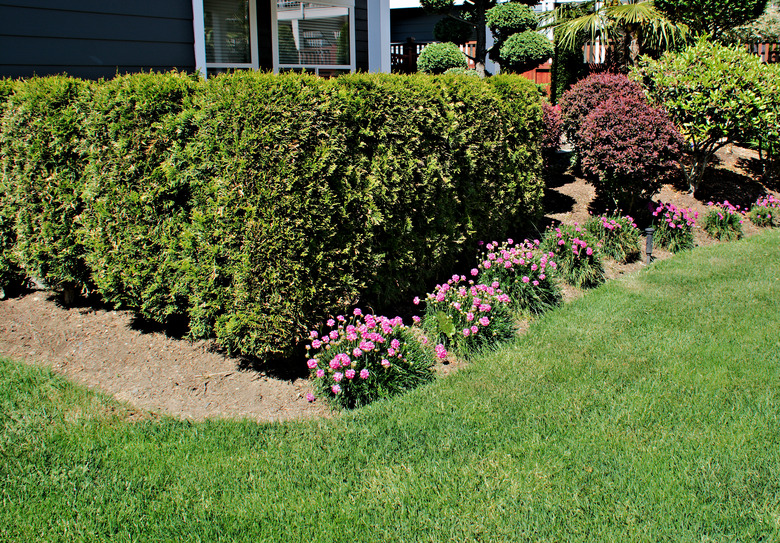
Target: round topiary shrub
(629, 149)
(437, 58)
(587, 94)
(510, 18)
(454, 30)
(524, 51)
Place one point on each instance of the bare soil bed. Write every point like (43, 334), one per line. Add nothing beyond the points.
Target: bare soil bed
(111, 351)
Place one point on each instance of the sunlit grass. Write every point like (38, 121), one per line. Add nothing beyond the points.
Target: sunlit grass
(648, 410)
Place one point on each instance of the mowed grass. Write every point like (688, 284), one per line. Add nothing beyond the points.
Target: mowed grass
(649, 410)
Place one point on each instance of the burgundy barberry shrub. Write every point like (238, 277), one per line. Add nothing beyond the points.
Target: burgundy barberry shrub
(629, 149)
(553, 127)
(587, 94)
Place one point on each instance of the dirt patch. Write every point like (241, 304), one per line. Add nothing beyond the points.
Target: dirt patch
(106, 350)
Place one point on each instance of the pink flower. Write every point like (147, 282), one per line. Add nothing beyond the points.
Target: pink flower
(474, 271)
(336, 389)
(416, 300)
(338, 376)
(333, 334)
(466, 332)
(320, 373)
(589, 251)
(416, 319)
(313, 334)
(310, 397)
(385, 362)
(474, 329)
(356, 352)
(335, 363)
(350, 373)
(469, 317)
(316, 344)
(526, 279)
(331, 322)
(312, 363)
(357, 312)
(484, 321)
(395, 344)
(441, 352)
(364, 373)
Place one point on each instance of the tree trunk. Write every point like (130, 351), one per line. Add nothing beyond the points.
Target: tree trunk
(481, 50)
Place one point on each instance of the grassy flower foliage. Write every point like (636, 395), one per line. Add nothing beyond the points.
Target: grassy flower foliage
(723, 221)
(766, 211)
(618, 236)
(674, 226)
(465, 316)
(525, 273)
(365, 357)
(577, 255)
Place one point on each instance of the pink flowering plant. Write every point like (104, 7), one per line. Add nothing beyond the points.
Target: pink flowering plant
(617, 234)
(723, 221)
(362, 358)
(525, 273)
(673, 226)
(465, 316)
(576, 253)
(766, 211)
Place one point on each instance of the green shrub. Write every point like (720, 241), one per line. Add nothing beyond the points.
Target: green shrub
(617, 235)
(522, 271)
(138, 201)
(577, 255)
(363, 358)
(524, 51)
(258, 204)
(42, 164)
(712, 93)
(462, 71)
(366, 188)
(510, 18)
(448, 29)
(10, 273)
(723, 221)
(437, 58)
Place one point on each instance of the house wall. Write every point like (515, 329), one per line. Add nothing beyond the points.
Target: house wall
(94, 38)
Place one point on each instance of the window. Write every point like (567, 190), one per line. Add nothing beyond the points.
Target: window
(314, 36)
(229, 35)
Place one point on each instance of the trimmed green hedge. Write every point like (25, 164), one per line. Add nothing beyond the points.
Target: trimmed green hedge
(257, 205)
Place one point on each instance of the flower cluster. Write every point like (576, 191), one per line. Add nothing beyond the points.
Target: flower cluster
(766, 211)
(365, 357)
(674, 226)
(524, 272)
(617, 234)
(577, 255)
(464, 315)
(723, 221)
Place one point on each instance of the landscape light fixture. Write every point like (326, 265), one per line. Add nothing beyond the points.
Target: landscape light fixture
(649, 243)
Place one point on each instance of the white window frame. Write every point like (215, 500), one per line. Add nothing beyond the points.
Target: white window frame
(199, 28)
(315, 67)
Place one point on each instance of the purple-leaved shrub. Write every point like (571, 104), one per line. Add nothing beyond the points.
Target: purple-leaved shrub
(553, 127)
(587, 94)
(628, 149)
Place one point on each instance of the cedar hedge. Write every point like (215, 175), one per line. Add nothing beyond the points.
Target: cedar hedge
(256, 205)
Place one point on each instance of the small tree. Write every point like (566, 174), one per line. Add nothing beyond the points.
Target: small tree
(712, 94)
(708, 17)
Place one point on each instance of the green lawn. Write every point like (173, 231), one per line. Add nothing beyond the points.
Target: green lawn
(649, 410)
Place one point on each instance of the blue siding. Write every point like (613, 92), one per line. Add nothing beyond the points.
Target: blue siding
(95, 38)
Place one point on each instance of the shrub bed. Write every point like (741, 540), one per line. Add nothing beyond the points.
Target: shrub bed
(255, 204)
